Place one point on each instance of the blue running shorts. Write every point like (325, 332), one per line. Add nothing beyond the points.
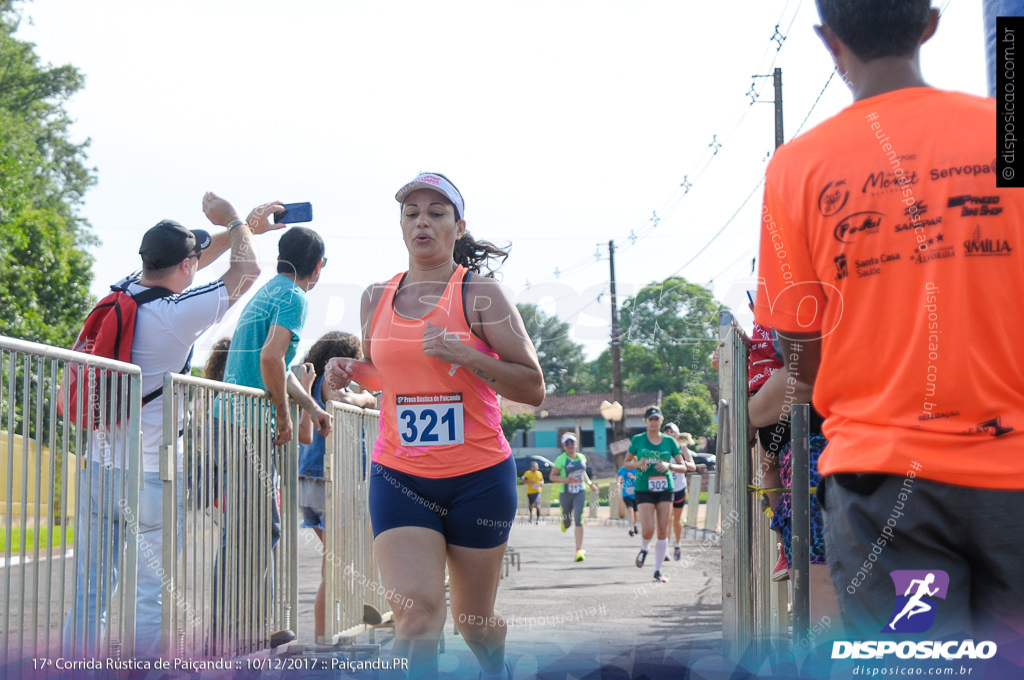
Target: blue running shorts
(474, 510)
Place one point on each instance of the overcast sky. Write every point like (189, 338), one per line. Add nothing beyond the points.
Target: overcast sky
(565, 125)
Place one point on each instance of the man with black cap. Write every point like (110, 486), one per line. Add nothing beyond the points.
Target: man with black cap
(165, 330)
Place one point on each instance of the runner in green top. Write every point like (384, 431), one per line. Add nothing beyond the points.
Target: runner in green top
(570, 468)
(654, 458)
(649, 476)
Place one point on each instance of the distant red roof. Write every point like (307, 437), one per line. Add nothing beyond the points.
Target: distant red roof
(582, 405)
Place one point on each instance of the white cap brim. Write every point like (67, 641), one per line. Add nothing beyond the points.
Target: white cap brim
(427, 180)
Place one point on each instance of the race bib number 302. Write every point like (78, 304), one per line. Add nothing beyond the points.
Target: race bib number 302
(657, 484)
(430, 419)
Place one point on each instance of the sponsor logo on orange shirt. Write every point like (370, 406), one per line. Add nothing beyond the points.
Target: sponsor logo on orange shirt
(858, 223)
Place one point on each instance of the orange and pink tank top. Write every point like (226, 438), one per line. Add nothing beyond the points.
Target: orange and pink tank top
(436, 419)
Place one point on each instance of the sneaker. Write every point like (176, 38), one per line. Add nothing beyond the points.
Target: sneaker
(372, 615)
(658, 578)
(640, 557)
(565, 527)
(280, 637)
(781, 570)
(677, 553)
(632, 532)
(581, 555)
(636, 530)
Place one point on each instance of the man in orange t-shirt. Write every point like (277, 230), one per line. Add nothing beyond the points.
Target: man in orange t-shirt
(891, 270)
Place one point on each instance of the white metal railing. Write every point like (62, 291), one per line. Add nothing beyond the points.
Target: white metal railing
(228, 568)
(712, 507)
(230, 576)
(70, 476)
(352, 578)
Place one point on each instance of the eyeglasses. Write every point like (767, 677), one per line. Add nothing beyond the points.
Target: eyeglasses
(198, 254)
(323, 263)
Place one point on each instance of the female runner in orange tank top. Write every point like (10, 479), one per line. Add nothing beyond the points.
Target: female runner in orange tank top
(443, 349)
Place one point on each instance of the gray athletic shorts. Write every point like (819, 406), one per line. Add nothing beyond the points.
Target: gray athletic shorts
(879, 524)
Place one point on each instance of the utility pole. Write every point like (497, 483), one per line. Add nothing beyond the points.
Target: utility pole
(618, 426)
(777, 78)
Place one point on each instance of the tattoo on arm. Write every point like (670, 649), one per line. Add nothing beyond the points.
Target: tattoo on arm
(483, 376)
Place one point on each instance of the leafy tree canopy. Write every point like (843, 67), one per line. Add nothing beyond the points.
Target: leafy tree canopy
(693, 412)
(45, 271)
(511, 424)
(669, 331)
(677, 322)
(560, 358)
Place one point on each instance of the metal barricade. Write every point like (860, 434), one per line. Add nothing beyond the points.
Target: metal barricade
(756, 625)
(713, 507)
(230, 576)
(70, 476)
(693, 484)
(738, 624)
(352, 579)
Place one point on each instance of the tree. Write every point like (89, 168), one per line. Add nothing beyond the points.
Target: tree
(561, 359)
(641, 371)
(45, 271)
(669, 331)
(692, 412)
(511, 424)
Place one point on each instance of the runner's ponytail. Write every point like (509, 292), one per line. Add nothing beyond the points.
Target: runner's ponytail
(475, 255)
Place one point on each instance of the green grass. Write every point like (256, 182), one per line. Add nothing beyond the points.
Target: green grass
(549, 494)
(27, 543)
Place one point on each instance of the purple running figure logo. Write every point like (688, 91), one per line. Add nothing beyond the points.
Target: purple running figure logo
(916, 592)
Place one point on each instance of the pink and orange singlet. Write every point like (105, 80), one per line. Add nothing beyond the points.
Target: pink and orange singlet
(437, 419)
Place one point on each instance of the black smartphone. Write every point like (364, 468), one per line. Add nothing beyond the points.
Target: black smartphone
(294, 212)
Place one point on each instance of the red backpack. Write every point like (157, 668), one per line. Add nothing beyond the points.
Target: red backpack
(108, 332)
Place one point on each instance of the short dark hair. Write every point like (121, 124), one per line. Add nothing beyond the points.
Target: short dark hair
(332, 344)
(877, 28)
(299, 251)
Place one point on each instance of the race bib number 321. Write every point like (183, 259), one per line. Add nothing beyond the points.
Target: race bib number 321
(430, 419)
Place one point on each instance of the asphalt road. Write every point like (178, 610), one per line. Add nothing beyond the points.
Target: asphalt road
(602, 617)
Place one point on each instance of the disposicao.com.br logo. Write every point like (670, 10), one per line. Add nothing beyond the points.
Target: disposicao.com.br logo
(917, 595)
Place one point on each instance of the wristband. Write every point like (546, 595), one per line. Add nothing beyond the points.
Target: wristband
(234, 223)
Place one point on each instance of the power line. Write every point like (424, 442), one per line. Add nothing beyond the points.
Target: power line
(760, 182)
(690, 180)
(727, 223)
(820, 94)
